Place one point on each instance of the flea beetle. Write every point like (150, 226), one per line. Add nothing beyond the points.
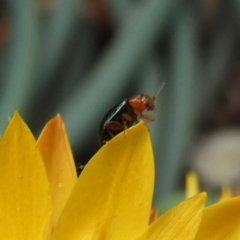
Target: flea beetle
(126, 114)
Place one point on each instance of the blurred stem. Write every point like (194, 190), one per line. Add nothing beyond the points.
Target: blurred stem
(21, 57)
(218, 64)
(236, 7)
(58, 31)
(119, 9)
(181, 106)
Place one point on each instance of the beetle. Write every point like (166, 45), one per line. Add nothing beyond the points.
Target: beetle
(126, 114)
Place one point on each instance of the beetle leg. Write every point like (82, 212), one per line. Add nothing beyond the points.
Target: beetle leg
(137, 113)
(126, 118)
(114, 126)
(110, 133)
(148, 118)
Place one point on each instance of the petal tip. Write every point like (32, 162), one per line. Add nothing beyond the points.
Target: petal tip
(16, 114)
(56, 121)
(203, 196)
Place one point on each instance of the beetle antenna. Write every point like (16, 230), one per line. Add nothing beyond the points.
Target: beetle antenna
(159, 90)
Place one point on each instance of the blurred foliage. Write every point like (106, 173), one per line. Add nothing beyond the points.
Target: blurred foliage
(79, 58)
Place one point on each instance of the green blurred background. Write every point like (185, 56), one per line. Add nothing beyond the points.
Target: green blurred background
(79, 58)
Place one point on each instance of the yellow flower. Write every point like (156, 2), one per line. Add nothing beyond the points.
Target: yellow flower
(41, 198)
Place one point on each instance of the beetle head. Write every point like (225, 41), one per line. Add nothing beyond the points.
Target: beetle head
(140, 103)
(148, 102)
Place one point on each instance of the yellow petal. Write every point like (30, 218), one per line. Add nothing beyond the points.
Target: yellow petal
(221, 221)
(112, 198)
(179, 223)
(192, 185)
(25, 201)
(226, 193)
(57, 156)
